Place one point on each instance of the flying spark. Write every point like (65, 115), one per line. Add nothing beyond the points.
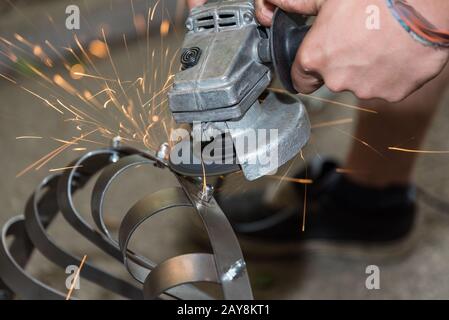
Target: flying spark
(65, 168)
(419, 151)
(332, 123)
(102, 103)
(295, 180)
(75, 279)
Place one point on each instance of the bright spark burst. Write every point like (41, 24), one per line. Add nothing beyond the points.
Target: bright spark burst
(99, 104)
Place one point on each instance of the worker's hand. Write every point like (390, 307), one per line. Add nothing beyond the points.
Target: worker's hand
(342, 52)
(195, 3)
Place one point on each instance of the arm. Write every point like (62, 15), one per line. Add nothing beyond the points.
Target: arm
(343, 53)
(195, 3)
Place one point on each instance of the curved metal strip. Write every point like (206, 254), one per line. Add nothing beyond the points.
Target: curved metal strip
(143, 209)
(224, 244)
(45, 245)
(103, 183)
(13, 274)
(179, 270)
(226, 266)
(84, 168)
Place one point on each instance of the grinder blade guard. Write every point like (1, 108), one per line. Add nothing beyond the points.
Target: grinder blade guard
(228, 61)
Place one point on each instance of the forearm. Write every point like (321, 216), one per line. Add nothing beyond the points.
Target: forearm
(435, 11)
(419, 26)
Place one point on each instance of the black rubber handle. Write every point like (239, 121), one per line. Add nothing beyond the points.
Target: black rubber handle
(286, 35)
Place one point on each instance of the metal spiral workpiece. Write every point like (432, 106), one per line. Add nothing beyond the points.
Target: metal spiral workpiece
(173, 278)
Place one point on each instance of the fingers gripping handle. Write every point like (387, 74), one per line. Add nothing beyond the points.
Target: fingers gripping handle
(286, 35)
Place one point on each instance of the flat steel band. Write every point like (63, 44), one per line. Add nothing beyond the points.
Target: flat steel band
(86, 166)
(45, 245)
(180, 270)
(103, 183)
(105, 179)
(144, 209)
(13, 274)
(42, 207)
(224, 244)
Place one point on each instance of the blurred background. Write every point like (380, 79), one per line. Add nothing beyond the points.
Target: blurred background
(54, 80)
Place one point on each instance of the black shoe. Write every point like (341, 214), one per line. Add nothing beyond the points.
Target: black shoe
(337, 211)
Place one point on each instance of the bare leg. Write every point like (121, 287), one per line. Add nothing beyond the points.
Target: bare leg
(404, 125)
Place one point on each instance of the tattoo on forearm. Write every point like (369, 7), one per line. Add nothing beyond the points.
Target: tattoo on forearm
(417, 25)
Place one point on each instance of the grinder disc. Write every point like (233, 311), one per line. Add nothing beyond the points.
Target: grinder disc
(205, 164)
(287, 33)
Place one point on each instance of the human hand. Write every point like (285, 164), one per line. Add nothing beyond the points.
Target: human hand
(195, 3)
(343, 53)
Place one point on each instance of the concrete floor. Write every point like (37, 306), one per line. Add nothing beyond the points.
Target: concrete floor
(421, 274)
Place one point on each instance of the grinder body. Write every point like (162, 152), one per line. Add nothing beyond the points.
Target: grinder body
(227, 66)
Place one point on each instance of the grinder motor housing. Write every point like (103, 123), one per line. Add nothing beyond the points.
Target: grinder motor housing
(227, 65)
